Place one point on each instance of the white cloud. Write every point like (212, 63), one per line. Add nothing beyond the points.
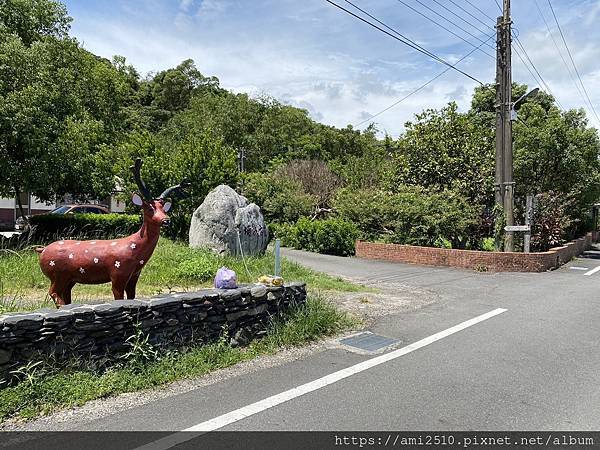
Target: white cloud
(211, 7)
(341, 71)
(185, 4)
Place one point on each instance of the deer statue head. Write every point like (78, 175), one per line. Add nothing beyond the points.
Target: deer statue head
(119, 261)
(154, 209)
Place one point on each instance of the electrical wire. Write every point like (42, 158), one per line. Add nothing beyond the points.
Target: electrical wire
(541, 80)
(458, 16)
(420, 87)
(573, 61)
(405, 41)
(559, 51)
(482, 12)
(447, 20)
(486, 24)
(387, 26)
(445, 28)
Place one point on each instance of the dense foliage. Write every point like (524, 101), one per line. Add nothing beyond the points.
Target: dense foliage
(329, 236)
(410, 216)
(72, 122)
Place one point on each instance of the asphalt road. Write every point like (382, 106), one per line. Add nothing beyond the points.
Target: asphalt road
(534, 366)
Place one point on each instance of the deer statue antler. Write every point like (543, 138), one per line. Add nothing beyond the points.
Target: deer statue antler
(138, 179)
(174, 189)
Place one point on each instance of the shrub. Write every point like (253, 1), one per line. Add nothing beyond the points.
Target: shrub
(179, 230)
(281, 200)
(488, 244)
(50, 227)
(331, 236)
(551, 221)
(201, 268)
(409, 216)
(314, 177)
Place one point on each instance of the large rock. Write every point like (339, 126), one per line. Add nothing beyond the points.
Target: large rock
(223, 215)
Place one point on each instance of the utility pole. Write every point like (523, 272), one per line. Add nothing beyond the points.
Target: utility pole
(504, 154)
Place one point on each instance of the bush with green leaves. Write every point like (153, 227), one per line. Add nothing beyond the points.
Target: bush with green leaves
(330, 236)
(201, 268)
(551, 221)
(50, 227)
(410, 215)
(280, 199)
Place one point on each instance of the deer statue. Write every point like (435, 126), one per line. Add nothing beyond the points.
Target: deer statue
(119, 261)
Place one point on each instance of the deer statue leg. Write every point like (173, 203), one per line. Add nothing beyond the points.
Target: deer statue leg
(61, 293)
(118, 289)
(130, 287)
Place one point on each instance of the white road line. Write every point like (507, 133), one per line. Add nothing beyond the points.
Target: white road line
(579, 268)
(592, 272)
(262, 405)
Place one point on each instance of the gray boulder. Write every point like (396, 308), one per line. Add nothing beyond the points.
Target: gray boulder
(222, 216)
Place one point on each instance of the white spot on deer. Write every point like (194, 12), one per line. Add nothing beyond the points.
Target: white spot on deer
(52, 263)
(113, 243)
(96, 260)
(86, 251)
(132, 245)
(82, 270)
(117, 264)
(78, 243)
(61, 242)
(70, 255)
(93, 242)
(141, 262)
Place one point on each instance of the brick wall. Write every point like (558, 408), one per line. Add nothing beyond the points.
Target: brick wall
(472, 259)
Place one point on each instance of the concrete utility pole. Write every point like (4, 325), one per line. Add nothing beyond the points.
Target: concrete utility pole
(504, 157)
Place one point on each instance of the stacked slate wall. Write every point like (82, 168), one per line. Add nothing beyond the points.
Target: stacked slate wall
(169, 321)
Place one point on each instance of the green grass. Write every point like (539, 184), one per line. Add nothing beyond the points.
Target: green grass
(173, 266)
(45, 388)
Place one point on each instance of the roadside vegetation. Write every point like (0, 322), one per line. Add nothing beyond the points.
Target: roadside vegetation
(46, 386)
(173, 267)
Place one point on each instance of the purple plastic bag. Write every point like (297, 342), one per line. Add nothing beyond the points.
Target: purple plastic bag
(225, 279)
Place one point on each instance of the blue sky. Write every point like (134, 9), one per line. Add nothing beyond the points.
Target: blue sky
(309, 54)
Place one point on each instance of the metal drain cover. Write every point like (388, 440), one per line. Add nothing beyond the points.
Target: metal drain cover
(368, 341)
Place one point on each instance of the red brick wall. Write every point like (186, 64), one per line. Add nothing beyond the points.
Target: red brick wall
(472, 259)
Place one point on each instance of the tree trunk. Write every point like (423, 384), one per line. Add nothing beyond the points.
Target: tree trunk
(20, 205)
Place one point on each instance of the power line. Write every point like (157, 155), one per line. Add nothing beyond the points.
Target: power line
(573, 61)
(533, 75)
(410, 94)
(543, 82)
(458, 16)
(388, 27)
(472, 15)
(446, 19)
(405, 41)
(483, 13)
(558, 50)
(447, 29)
(539, 80)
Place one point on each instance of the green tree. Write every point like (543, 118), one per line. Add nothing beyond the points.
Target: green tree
(445, 149)
(59, 104)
